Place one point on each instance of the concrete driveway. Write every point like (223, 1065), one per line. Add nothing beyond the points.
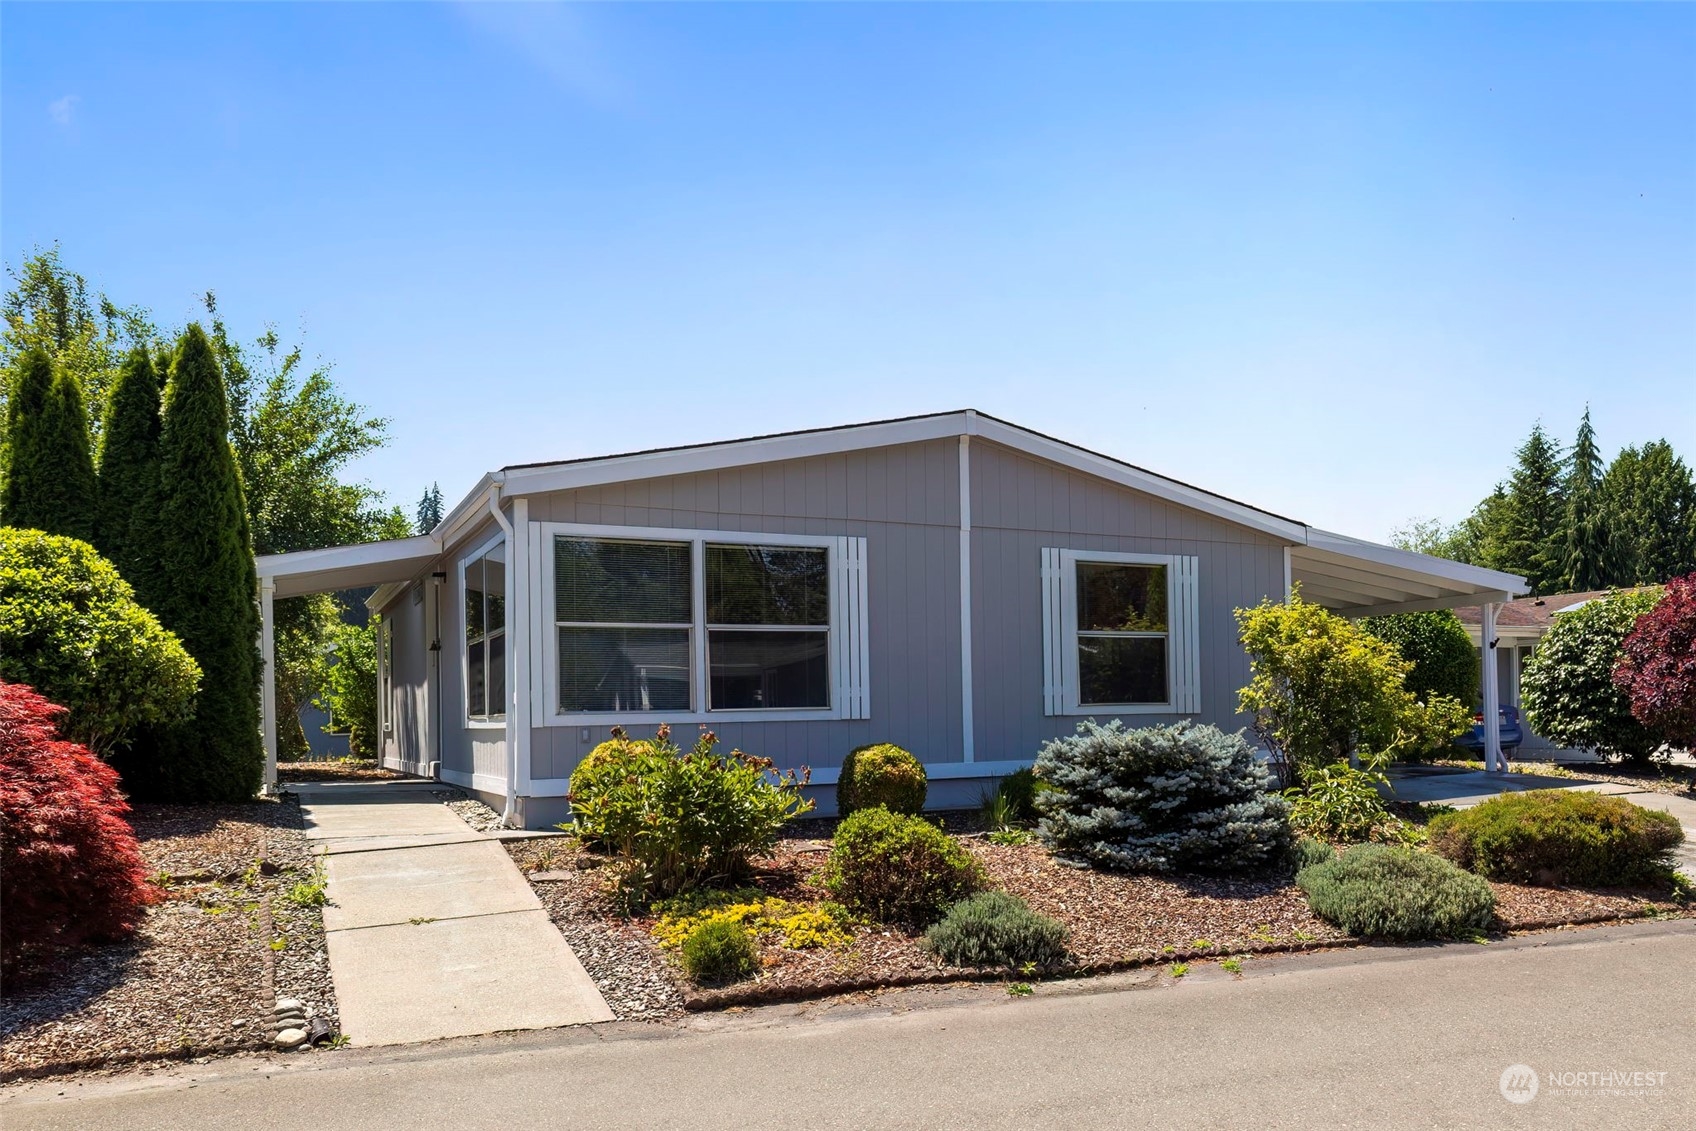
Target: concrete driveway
(1465, 788)
(431, 930)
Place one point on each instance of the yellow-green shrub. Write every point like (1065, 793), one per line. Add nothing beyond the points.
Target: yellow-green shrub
(880, 774)
(797, 926)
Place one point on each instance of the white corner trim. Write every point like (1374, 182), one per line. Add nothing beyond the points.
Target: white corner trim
(967, 745)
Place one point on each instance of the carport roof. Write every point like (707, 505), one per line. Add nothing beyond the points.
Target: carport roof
(347, 567)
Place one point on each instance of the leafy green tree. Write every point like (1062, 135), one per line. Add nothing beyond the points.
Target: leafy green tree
(1649, 502)
(50, 482)
(210, 593)
(1587, 545)
(430, 509)
(70, 628)
(49, 308)
(1568, 688)
(350, 686)
(129, 471)
(1322, 688)
(1443, 657)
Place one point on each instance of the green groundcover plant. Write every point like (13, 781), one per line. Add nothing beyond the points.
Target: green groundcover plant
(1383, 891)
(994, 928)
(1560, 836)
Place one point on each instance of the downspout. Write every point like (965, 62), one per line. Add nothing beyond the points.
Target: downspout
(511, 668)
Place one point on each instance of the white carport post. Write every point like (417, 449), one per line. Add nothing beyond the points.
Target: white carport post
(1493, 760)
(268, 681)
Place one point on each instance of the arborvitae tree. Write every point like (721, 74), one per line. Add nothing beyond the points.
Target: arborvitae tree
(1649, 504)
(430, 509)
(1587, 547)
(209, 589)
(31, 388)
(1533, 544)
(50, 483)
(129, 473)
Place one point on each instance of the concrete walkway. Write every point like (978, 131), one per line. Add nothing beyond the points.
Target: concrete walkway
(432, 931)
(1465, 788)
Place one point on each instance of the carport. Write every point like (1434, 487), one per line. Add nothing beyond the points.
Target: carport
(306, 572)
(1363, 579)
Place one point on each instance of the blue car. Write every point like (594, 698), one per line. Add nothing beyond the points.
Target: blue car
(1512, 732)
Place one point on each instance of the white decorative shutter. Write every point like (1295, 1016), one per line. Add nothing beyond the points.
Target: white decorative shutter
(1053, 633)
(1186, 636)
(851, 661)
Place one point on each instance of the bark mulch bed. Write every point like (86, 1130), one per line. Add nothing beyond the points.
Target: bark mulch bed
(201, 974)
(1116, 921)
(342, 770)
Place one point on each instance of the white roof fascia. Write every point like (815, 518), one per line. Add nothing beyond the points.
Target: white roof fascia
(298, 562)
(737, 453)
(1467, 577)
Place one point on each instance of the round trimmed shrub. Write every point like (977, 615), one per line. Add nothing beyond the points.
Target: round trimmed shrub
(1445, 661)
(1559, 836)
(71, 628)
(899, 869)
(72, 869)
(617, 750)
(993, 928)
(1380, 891)
(881, 774)
(719, 951)
(1184, 797)
(1568, 685)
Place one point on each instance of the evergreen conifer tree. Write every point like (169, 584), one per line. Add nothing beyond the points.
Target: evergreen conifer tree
(1587, 545)
(31, 387)
(50, 482)
(1534, 543)
(430, 509)
(208, 590)
(1648, 499)
(129, 474)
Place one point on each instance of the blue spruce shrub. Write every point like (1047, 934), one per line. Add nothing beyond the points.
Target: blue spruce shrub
(1183, 797)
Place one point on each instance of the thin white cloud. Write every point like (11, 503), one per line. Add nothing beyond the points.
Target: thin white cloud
(64, 110)
(552, 37)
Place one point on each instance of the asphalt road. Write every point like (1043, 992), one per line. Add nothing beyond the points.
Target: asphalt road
(1382, 1038)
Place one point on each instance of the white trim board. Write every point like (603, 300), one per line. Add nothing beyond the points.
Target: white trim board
(935, 771)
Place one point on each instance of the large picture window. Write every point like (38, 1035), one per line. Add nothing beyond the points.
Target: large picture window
(625, 616)
(484, 586)
(705, 624)
(768, 627)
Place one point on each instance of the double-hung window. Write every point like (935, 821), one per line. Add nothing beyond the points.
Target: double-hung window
(701, 624)
(768, 627)
(1119, 633)
(483, 584)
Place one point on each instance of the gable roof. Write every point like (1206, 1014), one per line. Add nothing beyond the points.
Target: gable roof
(1539, 612)
(1352, 576)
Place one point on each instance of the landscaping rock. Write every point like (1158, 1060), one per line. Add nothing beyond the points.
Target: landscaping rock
(291, 1038)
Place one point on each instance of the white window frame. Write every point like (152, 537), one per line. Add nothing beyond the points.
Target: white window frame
(470, 721)
(1060, 641)
(847, 648)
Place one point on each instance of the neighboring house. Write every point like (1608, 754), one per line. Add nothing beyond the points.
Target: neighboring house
(321, 744)
(953, 583)
(1520, 627)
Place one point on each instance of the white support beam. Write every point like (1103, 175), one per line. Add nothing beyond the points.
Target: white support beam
(968, 747)
(1493, 760)
(268, 680)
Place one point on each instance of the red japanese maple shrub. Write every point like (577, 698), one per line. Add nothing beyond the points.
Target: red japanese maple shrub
(1657, 666)
(69, 864)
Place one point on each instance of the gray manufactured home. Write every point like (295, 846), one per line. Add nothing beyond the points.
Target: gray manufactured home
(952, 583)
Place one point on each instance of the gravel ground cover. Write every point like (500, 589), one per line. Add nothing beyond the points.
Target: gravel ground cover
(1114, 920)
(201, 975)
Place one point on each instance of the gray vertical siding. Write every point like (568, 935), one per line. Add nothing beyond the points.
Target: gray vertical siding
(904, 501)
(1020, 506)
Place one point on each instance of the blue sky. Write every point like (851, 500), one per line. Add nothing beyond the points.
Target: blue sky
(1333, 261)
